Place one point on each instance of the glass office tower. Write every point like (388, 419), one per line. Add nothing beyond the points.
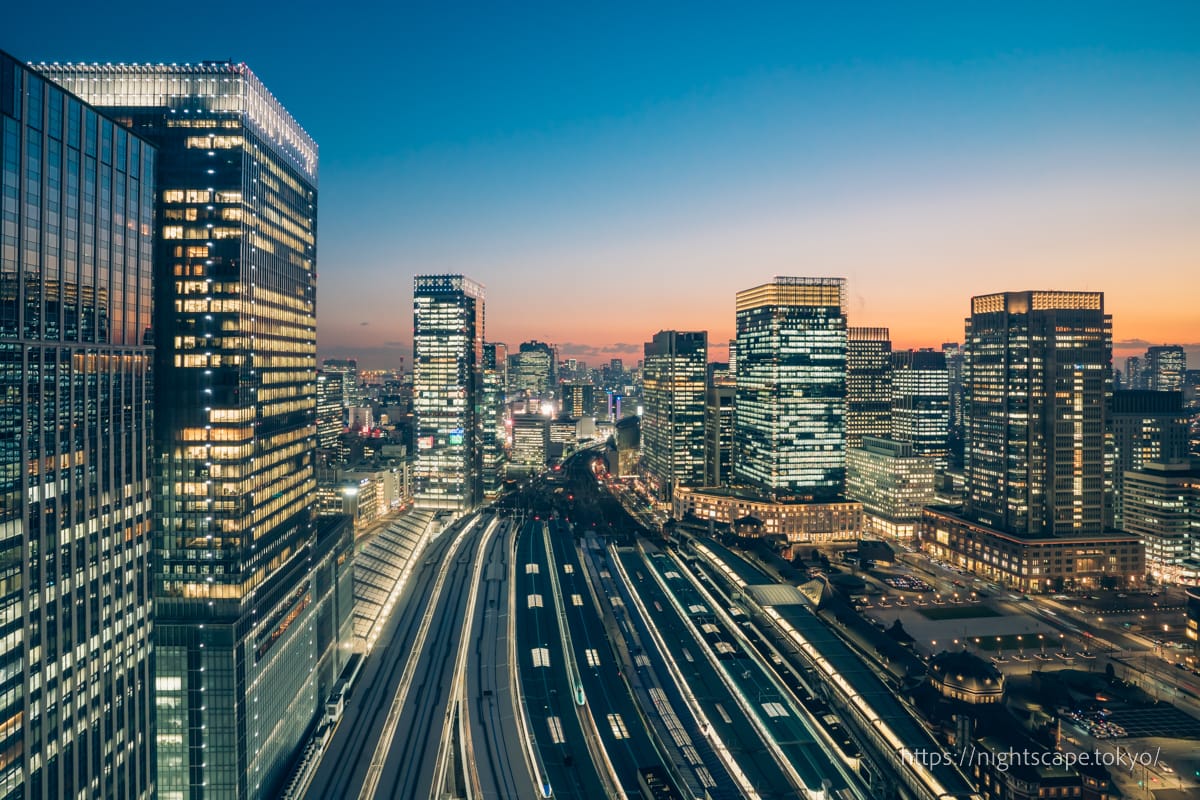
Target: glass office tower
(868, 384)
(921, 403)
(448, 317)
(491, 418)
(245, 647)
(674, 381)
(789, 433)
(1036, 381)
(76, 223)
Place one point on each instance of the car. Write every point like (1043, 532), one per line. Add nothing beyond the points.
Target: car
(1122, 595)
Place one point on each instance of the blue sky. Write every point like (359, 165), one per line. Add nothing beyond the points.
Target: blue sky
(611, 170)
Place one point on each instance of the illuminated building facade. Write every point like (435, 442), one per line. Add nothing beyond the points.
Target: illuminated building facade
(868, 384)
(531, 443)
(794, 521)
(1144, 427)
(448, 317)
(578, 399)
(1165, 367)
(330, 413)
(534, 369)
(248, 616)
(674, 378)
(1029, 563)
(892, 483)
(1162, 506)
(491, 418)
(76, 237)
(921, 403)
(1037, 376)
(789, 431)
(718, 432)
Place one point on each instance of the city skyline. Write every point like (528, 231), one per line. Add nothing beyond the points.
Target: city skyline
(926, 160)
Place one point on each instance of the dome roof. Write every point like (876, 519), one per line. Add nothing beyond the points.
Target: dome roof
(961, 673)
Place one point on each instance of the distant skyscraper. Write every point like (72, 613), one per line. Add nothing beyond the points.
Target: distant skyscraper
(242, 665)
(531, 443)
(790, 404)
(578, 399)
(921, 403)
(1165, 368)
(1144, 427)
(330, 413)
(347, 370)
(535, 369)
(733, 357)
(448, 323)
(718, 433)
(868, 384)
(491, 417)
(954, 378)
(1036, 381)
(1135, 377)
(76, 235)
(674, 378)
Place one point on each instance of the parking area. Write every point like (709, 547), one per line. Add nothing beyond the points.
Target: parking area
(1157, 721)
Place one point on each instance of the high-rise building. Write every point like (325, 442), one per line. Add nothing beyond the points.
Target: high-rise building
(868, 384)
(578, 399)
(531, 443)
(448, 321)
(953, 352)
(250, 612)
(491, 417)
(1144, 427)
(718, 430)
(1162, 505)
(534, 369)
(1134, 377)
(347, 370)
(1036, 378)
(921, 403)
(892, 482)
(1165, 367)
(733, 357)
(674, 379)
(330, 413)
(789, 431)
(76, 236)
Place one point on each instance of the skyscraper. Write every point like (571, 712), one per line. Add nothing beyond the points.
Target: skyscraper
(448, 320)
(718, 431)
(921, 403)
(1135, 377)
(578, 399)
(491, 417)
(1165, 367)
(330, 413)
(790, 404)
(868, 384)
(1037, 377)
(76, 236)
(249, 603)
(674, 377)
(1144, 427)
(954, 378)
(534, 369)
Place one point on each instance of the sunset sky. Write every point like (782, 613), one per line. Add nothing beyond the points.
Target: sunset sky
(611, 170)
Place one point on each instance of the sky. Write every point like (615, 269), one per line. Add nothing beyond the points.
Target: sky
(611, 170)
